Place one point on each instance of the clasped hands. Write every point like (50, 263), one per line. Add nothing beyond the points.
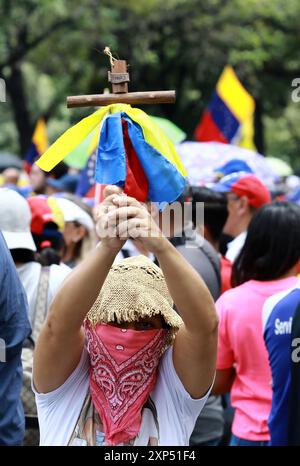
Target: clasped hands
(120, 217)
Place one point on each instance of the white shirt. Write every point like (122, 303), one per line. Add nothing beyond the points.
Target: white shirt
(30, 274)
(58, 411)
(235, 246)
(132, 250)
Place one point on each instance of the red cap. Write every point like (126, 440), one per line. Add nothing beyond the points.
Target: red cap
(251, 187)
(44, 210)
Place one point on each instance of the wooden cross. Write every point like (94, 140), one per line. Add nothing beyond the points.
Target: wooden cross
(119, 79)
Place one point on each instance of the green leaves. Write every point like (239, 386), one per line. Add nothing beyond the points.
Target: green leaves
(182, 44)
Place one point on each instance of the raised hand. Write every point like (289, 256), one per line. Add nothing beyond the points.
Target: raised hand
(131, 219)
(107, 233)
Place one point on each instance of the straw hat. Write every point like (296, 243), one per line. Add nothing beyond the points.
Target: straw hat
(134, 288)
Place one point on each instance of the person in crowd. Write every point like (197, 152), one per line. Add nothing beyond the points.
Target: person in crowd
(293, 437)
(16, 221)
(267, 264)
(245, 194)
(11, 176)
(79, 234)
(16, 179)
(125, 314)
(195, 248)
(215, 216)
(278, 315)
(47, 226)
(38, 178)
(217, 415)
(14, 329)
(39, 272)
(66, 184)
(201, 255)
(210, 423)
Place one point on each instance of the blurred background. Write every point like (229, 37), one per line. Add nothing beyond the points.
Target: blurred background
(53, 48)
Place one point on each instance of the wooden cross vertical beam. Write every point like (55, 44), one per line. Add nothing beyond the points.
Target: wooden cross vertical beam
(119, 78)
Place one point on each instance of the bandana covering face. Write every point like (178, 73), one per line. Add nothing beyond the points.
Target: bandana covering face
(122, 375)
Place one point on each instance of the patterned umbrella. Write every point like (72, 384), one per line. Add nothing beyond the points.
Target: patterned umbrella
(279, 166)
(201, 159)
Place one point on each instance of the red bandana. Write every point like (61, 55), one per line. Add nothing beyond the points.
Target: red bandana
(122, 375)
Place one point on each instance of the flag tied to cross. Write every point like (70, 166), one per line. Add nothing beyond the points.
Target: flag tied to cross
(133, 152)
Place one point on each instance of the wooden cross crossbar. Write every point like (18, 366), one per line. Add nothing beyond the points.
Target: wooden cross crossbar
(119, 78)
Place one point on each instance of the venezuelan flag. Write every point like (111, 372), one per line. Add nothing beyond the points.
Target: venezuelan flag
(38, 145)
(133, 152)
(229, 113)
(86, 186)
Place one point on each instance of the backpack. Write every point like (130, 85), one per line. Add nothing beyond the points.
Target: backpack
(27, 395)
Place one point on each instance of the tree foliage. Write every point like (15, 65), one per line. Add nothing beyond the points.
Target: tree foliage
(51, 49)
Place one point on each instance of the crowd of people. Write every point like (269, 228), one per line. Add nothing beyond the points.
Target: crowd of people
(117, 332)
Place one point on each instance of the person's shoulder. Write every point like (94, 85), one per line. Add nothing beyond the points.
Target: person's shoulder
(57, 275)
(234, 299)
(61, 270)
(199, 246)
(232, 295)
(29, 267)
(6, 261)
(75, 381)
(284, 300)
(203, 257)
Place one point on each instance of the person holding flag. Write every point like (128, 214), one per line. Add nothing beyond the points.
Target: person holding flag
(133, 334)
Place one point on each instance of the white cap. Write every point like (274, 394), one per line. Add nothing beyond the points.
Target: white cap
(15, 218)
(73, 213)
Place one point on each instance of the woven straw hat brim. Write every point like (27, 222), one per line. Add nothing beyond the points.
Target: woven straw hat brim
(135, 288)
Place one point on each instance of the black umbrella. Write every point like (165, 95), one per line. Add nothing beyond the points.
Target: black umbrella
(8, 160)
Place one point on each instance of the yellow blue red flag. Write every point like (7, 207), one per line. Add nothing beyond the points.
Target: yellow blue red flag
(38, 146)
(229, 112)
(133, 152)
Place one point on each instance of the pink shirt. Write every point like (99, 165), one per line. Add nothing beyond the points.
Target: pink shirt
(241, 344)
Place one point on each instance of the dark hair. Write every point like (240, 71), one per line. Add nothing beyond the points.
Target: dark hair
(22, 256)
(215, 210)
(48, 256)
(272, 246)
(49, 245)
(58, 171)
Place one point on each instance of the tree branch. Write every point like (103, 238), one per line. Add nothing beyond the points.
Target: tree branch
(25, 47)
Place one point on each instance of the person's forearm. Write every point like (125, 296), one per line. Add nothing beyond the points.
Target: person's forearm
(224, 381)
(189, 292)
(80, 290)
